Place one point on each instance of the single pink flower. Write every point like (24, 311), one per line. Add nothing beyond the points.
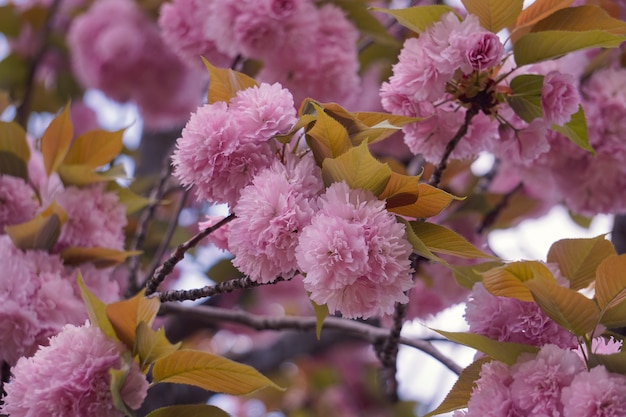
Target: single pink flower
(484, 50)
(559, 97)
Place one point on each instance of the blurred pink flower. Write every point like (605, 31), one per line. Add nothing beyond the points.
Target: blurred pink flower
(596, 393)
(559, 97)
(17, 201)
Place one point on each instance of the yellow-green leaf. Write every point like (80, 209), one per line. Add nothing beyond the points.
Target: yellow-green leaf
(80, 175)
(321, 312)
(611, 290)
(189, 410)
(96, 310)
(576, 130)
(401, 192)
(615, 362)
(95, 148)
(327, 138)
(379, 126)
(461, 391)
(225, 82)
(568, 308)
(419, 247)
(151, 345)
(56, 140)
(126, 315)
(358, 168)
(467, 276)
(494, 15)
(526, 97)
(578, 259)
(581, 18)
(133, 201)
(541, 46)
(417, 18)
(540, 9)
(210, 372)
(431, 201)
(14, 150)
(100, 257)
(508, 280)
(440, 239)
(41, 232)
(506, 352)
(118, 378)
(367, 24)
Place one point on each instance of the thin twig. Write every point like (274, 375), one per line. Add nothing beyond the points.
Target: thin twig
(168, 266)
(367, 332)
(156, 194)
(165, 242)
(491, 217)
(435, 179)
(211, 290)
(23, 110)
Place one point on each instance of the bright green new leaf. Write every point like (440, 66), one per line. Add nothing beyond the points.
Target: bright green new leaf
(98, 256)
(210, 372)
(526, 97)
(506, 352)
(540, 9)
(440, 239)
(509, 280)
(419, 247)
(95, 148)
(14, 150)
(611, 291)
(568, 308)
(126, 315)
(461, 391)
(494, 15)
(41, 232)
(367, 24)
(327, 138)
(118, 378)
(581, 18)
(417, 18)
(151, 345)
(541, 46)
(578, 259)
(576, 130)
(56, 140)
(96, 310)
(358, 168)
(225, 82)
(321, 312)
(189, 410)
(467, 276)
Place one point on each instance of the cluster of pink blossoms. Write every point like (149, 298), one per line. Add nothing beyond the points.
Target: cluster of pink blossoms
(554, 382)
(70, 378)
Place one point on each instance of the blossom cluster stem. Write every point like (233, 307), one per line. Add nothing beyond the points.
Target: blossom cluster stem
(435, 179)
(179, 253)
(492, 216)
(367, 332)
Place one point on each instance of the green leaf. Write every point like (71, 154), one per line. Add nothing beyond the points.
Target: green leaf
(224, 270)
(13, 71)
(210, 372)
(611, 290)
(41, 232)
(321, 312)
(151, 345)
(118, 378)
(224, 83)
(96, 310)
(419, 247)
(10, 23)
(615, 362)
(95, 148)
(133, 202)
(126, 315)
(509, 280)
(506, 352)
(440, 239)
(358, 168)
(327, 138)
(568, 308)
(461, 391)
(526, 97)
(541, 46)
(417, 18)
(578, 259)
(79, 175)
(367, 24)
(189, 410)
(494, 15)
(583, 18)
(14, 150)
(467, 276)
(56, 140)
(576, 130)
(98, 256)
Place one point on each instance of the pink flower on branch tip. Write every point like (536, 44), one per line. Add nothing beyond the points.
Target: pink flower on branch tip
(355, 255)
(70, 378)
(560, 97)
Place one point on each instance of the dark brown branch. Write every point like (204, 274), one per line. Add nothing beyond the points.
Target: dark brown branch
(211, 290)
(388, 354)
(492, 216)
(364, 331)
(435, 179)
(5, 374)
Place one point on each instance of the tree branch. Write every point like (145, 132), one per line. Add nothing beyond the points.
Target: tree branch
(364, 331)
(491, 217)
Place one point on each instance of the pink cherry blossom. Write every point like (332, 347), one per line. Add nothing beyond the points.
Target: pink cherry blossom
(484, 50)
(491, 395)
(596, 393)
(355, 254)
(70, 378)
(559, 97)
(17, 201)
